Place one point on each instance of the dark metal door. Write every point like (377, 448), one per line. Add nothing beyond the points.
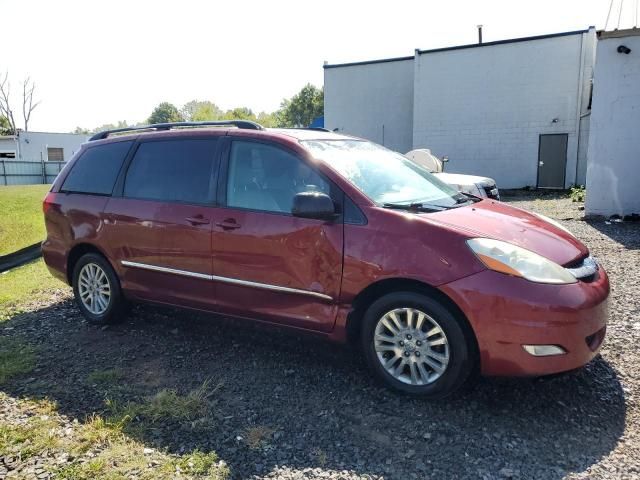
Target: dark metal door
(552, 160)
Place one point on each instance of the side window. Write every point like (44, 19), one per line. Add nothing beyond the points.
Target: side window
(263, 177)
(173, 170)
(97, 169)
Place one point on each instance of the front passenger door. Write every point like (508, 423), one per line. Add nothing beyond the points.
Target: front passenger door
(268, 264)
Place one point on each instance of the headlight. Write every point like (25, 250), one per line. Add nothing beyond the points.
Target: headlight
(507, 258)
(553, 222)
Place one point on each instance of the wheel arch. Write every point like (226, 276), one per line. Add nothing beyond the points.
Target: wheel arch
(383, 287)
(77, 252)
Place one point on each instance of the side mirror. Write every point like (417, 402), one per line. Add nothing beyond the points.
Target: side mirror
(315, 205)
(445, 159)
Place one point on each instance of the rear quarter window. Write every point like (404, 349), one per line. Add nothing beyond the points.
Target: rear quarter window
(96, 170)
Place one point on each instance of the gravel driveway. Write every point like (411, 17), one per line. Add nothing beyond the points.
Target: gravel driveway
(321, 416)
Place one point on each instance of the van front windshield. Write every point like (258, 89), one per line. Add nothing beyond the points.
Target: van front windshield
(386, 177)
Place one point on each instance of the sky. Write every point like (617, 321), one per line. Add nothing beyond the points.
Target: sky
(101, 62)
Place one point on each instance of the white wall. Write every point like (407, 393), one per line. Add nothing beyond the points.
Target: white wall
(8, 143)
(373, 101)
(33, 145)
(485, 107)
(614, 142)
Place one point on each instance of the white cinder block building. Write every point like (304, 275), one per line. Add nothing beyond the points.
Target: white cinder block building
(515, 110)
(373, 100)
(614, 143)
(40, 146)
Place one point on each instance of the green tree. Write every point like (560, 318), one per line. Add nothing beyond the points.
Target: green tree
(165, 113)
(199, 111)
(81, 131)
(239, 113)
(268, 119)
(5, 126)
(110, 126)
(302, 108)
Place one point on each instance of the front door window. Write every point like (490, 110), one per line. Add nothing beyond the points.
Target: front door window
(266, 178)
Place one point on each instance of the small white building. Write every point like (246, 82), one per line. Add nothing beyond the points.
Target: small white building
(614, 144)
(516, 110)
(40, 146)
(36, 157)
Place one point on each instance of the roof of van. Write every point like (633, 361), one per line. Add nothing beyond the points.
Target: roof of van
(221, 127)
(310, 134)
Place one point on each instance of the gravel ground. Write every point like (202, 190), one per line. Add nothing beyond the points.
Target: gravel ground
(292, 407)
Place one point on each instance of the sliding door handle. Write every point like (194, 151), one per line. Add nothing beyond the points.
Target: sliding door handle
(197, 220)
(228, 224)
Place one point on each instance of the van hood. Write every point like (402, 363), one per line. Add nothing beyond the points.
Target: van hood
(499, 221)
(461, 179)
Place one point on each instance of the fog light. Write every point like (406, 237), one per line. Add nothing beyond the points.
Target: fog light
(543, 350)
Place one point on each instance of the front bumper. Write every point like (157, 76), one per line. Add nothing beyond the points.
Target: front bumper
(507, 312)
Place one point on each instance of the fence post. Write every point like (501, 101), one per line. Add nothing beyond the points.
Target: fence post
(4, 173)
(44, 170)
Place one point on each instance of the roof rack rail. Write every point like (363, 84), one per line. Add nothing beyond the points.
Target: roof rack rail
(317, 129)
(244, 124)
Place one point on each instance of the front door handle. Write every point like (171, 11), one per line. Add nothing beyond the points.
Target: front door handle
(541, 163)
(228, 224)
(197, 220)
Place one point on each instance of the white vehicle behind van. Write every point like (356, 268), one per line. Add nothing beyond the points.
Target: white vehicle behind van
(483, 187)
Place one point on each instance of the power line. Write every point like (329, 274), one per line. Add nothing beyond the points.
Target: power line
(608, 14)
(620, 14)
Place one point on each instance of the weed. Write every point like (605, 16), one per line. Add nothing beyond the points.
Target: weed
(256, 436)
(578, 193)
(104, 377)
(15, 358)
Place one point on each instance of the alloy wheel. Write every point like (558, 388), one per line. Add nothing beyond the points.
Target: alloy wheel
(94, 288)
(411, 346)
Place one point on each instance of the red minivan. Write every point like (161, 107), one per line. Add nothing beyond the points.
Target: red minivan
(328, 234)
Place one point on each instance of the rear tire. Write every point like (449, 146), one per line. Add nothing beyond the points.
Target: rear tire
(97, 292)
(414, 344)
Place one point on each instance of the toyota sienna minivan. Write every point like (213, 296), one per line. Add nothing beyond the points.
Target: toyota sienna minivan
(329, 234)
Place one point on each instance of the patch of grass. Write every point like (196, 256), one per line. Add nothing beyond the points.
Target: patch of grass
(320, 456)
(578, 193)
(198, 463)
(166, 405)
(97, 449)
(105, 377)
(21, 220)
(15, 358)
(256, 436)
(36, 434)
(25, 284)
(82, 471)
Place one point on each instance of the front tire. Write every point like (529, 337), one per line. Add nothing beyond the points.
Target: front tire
(97, 290)
(414, 344)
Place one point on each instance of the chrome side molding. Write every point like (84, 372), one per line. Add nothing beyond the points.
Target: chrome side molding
(233, 281)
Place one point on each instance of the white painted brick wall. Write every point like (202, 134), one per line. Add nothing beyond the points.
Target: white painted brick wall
(486, 107)
(614, 142)
(33, 145)
(360, 99)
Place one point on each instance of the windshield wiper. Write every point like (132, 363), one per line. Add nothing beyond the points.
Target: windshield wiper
(466, 197)
(415, 207)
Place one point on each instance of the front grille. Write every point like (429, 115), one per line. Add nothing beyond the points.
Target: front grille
(492, 192)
